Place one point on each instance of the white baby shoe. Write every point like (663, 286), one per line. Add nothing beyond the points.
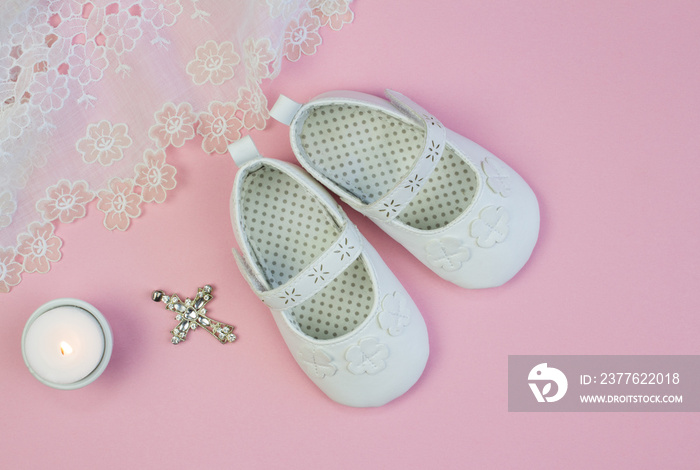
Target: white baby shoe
(345, 317)
(454, 205)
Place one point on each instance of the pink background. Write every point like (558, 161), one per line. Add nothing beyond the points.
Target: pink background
(595, 105)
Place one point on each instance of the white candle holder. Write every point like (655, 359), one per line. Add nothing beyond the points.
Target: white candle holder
(105, 330)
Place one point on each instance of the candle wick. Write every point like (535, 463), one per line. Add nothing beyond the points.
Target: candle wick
(65, 348)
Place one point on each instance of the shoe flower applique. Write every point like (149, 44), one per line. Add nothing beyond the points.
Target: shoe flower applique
(317, 362)
(497, 176)
(367, 357)
(104, 142)
(447, 253)
(491, 227)
(394, 315)
(10, 270)
(40, 247)
(65, 201)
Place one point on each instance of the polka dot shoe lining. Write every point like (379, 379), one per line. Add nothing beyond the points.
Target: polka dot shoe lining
(368, 152)
(287, 228)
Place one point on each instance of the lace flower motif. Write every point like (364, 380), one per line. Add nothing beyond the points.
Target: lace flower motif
(6, 62)
(104, 142)
(447, 253)
(174, 125)
(10, 270)
(30, 28)
(8, 206)
(213, 63)
(65, 201)
(87, 63)
(258, 56)
(155, 176)
(498, 177)
(283, 8)
(367, 357)
(302, 36)
(39, 247)
(119, 203)
(394, 314)
(66, 8)
(15, 120)
(334, 13)
(219, 127)
(161, 12)
(122, 31)
(491, 227)
(317, 362)
(49, 90)
(253, 103)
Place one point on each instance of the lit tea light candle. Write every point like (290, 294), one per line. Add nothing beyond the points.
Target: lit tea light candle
(66, 344)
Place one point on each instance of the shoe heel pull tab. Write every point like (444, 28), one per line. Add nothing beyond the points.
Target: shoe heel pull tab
(285, 109)
(243, 150)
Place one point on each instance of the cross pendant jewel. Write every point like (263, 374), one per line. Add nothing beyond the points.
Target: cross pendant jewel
(192, 314)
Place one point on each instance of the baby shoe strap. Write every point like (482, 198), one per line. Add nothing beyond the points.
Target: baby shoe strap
(284, 109)
(314, 278)
(243, 150)
(391, 205)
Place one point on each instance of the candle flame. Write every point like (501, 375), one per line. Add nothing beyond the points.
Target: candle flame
(66, 348)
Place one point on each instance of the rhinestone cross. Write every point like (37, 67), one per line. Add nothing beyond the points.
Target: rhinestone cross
(191, 314)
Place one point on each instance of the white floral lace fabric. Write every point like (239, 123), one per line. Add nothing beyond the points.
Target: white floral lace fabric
(93, 92)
